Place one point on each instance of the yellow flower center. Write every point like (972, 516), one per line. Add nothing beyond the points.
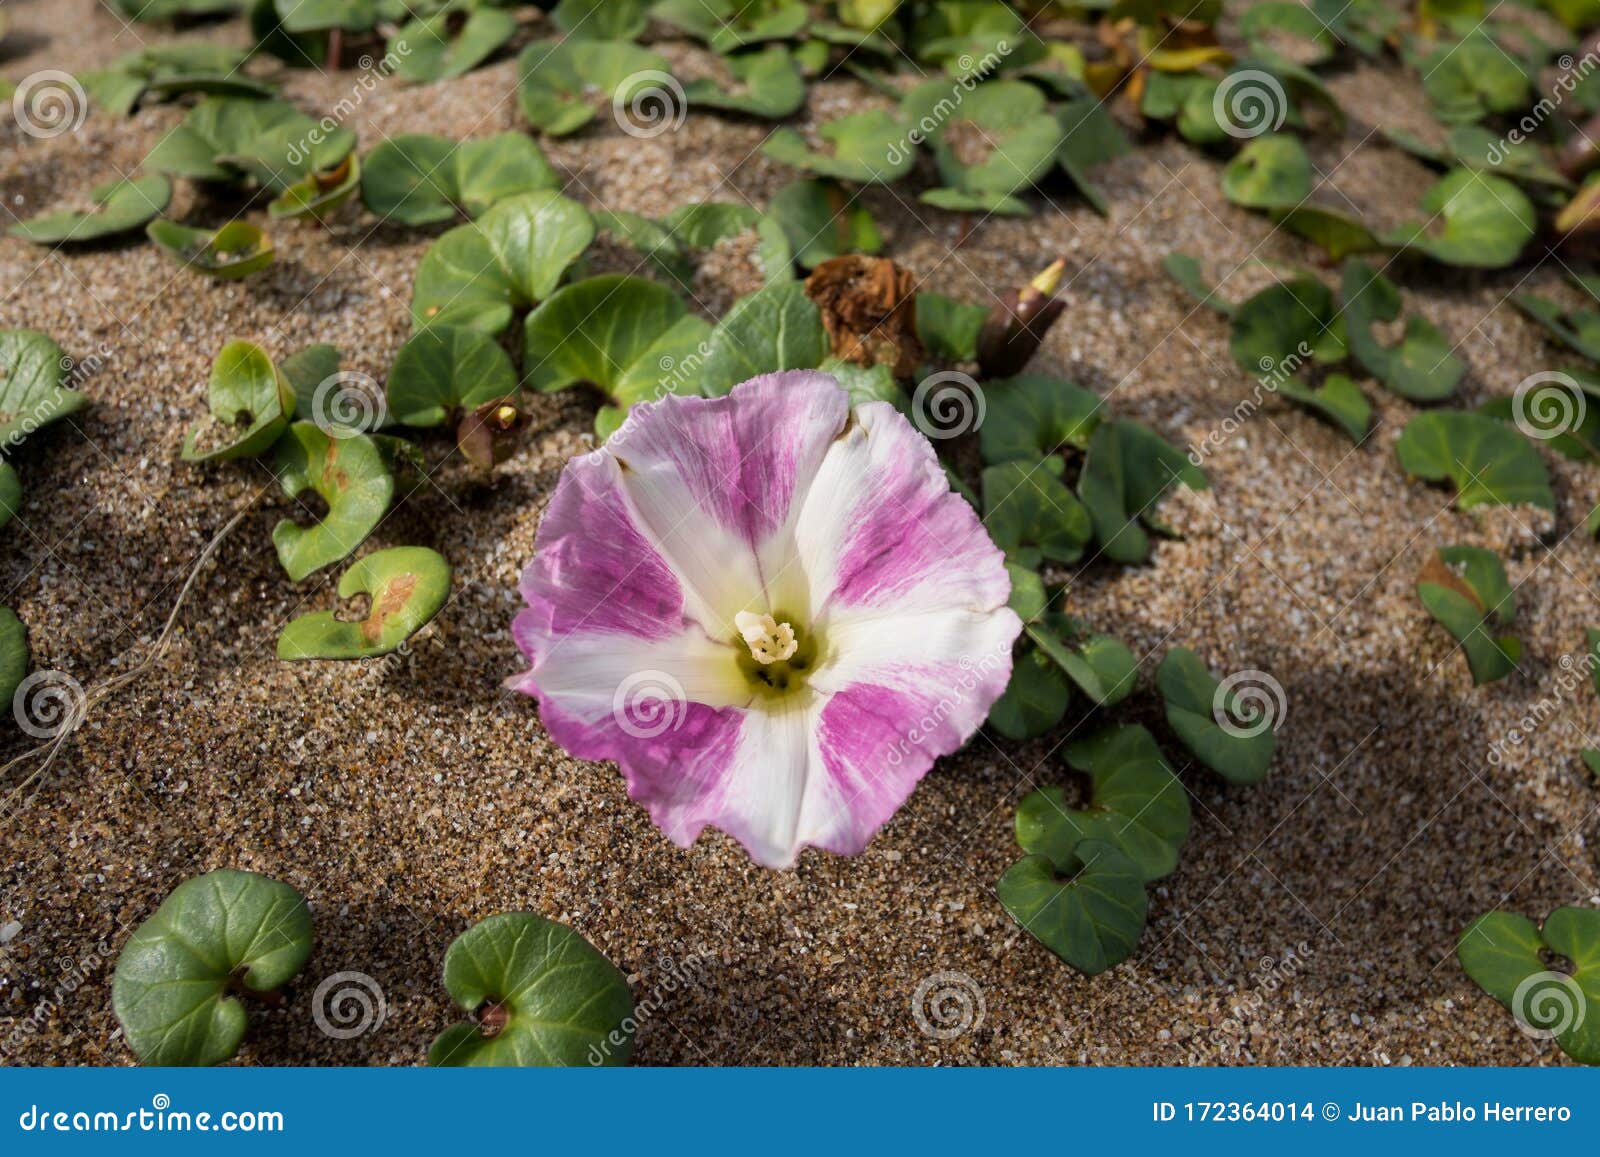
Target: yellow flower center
(769, 640)
(773, 657)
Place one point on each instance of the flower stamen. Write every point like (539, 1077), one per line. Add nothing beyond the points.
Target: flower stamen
(769, 640)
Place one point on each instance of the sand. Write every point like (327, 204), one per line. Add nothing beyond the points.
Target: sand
(1312, 919)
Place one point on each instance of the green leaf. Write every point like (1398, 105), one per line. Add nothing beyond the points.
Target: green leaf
(120, 206)
(1338, 233)
(317, 195)
(251, 404)
(167, 70)
(1578, 329)
(866, 383)
(13, 651)
(351, 476)
(307, 370)
(513, 256)
(406, 585)
(1504, 954)
(557, 77)
(1261, 23)
(417, 179)
(1089, 912)
(989, 204)
(1591, 760)
(1270, 172)
(602, 19)
(1032, 515)
(866, 146)
(821, 221)
(428, 50)
(1422, 365)
(949, 328)
(10, 494)
(998, 141)
(1185, 270)
(1034, 416)
(1278, 329)
(217, 934)
(701, 224)
(33, 385)
(1231, 731)
(1102, 667)
(1465, 589)
(324, 15)
(544, 993)
(1488, 463)
(1338, 399)
(232, 253)
(1135, 804)
(236, 139)
(1090, 137)
(767, 84)
(1473, 78)
(775, 328)
(1128, 469)
(728, 25)
(1469, 219)
(442, 370)
(1034, 700)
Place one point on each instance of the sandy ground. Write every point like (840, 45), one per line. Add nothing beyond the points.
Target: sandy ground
(1312, 919)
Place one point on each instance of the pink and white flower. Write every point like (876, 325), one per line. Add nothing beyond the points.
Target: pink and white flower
(769, 609)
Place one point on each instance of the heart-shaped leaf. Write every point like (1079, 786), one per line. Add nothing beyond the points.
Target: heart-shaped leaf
(947, 328)
(1422, 365)
(443, 370)
(701, 224)
(997, 142)
(1278, 329)
(602, 19)
(1270, 172)
(1135, 804)
(33, 384)
(1230, 727)
(512, 257)
(1338, 399)
(417, 179)
(1034, 700)
(13, 652)
(1489, 463)
(1505, 955)
(1032, 515)
(1090, 911)
(540, 994)
(776, 328)
(1470, 219)
(865, 146)
(1465, 588)
(319, 194)
(1473, 78)
(557, 78)
(120, 206)
(766, 84)
(1128, 469)
(251, 403)
(232, 253)
(306, 371)
(434, 47)
(1034, 416)
(216, 935)
(350, 474)
(235, 139)
(821, 222)
(406, 586)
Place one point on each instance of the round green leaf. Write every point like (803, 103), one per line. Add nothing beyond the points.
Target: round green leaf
(33, 390)
(351, 475)
(513, 256)
(217, 934)
(432, 48)
(1279, 328)
(1031, 515)
(766, 84)
(821, 221)
(13, 654)
(1033, 416)
(602, 19)
(442, 370)
(235, 139)
(776, 328)
(997, 141)
(1232, 733)
(866, 146)
(119, 207)
(1089, 912)
(1504, 954)
(1270, 172)
(542, 995)
(233, 252)
(1422, 365)
(251, 404)
(559, 77)
(596, 329)
(407, 586)
(417, 179)
(949, 328)
(1035, 699)
(1489, 463)
(1470, 219)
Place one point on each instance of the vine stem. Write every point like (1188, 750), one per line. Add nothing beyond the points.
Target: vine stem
(78, 713)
